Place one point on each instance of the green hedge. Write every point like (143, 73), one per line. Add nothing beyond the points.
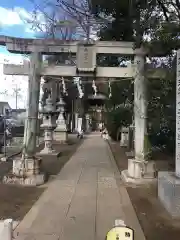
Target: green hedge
(116, 119)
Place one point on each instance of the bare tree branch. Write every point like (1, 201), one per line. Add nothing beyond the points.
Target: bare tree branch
(53, 12)
(164, 9)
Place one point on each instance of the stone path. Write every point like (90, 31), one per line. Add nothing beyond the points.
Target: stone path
(83, 201)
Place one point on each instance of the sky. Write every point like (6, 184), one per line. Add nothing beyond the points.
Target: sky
(12, 15)
(14, 18)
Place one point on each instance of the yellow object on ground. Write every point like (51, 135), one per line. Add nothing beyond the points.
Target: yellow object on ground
(120, 233)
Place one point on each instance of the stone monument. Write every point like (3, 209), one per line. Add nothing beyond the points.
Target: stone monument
(124, 137)
(169, 182)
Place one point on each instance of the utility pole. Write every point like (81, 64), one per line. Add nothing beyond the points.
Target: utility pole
(16, 95)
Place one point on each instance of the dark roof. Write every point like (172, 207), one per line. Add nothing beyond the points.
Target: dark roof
(4, 104)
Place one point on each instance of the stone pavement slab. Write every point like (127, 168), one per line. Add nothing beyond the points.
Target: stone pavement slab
(83, 201)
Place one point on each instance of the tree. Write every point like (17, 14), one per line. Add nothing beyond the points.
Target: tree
(134, 21)
(162, 109)
(131, 20)
(64, 19)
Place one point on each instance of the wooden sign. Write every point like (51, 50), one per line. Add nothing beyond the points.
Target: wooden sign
(86, 58)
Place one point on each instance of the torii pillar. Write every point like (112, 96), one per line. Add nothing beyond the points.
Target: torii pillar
(140, 104)
(139, 166)
(26, 170)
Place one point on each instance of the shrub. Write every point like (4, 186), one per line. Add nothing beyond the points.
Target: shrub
(116, 119)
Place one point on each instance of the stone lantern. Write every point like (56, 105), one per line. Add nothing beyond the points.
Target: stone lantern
(60, 133)
(48, 126)
(124, 137)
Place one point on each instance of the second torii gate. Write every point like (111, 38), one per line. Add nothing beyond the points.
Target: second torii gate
(85, 66)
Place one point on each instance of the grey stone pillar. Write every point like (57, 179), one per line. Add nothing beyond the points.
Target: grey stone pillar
(177, 160)
(26, 170)
(138, 167)
(33, 105)
(81, 116)
(140, 105)
(73, 124)
(54, 90)
(76, 121)
(87, 123)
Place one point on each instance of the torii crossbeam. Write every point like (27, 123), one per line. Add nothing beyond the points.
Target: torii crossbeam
(48, 46)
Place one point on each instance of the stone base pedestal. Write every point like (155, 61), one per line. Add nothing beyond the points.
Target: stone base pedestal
(34, 180)
(138, 172)
(61, 136)
(169, 192)
(25, 172)
(130, 154)
(26, 167)
(46, 151)
(124, 137)
(123, 143)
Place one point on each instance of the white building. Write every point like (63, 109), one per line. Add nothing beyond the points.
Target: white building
(4, 106)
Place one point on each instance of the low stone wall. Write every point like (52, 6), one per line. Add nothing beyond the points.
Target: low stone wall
(17, 144)
(18, 141)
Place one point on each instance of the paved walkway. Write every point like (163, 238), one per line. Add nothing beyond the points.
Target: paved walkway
(83, 201)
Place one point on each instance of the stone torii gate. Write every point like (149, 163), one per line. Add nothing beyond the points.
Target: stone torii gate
(85, 66)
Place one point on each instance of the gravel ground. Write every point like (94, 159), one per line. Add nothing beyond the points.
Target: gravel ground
(16, 201)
